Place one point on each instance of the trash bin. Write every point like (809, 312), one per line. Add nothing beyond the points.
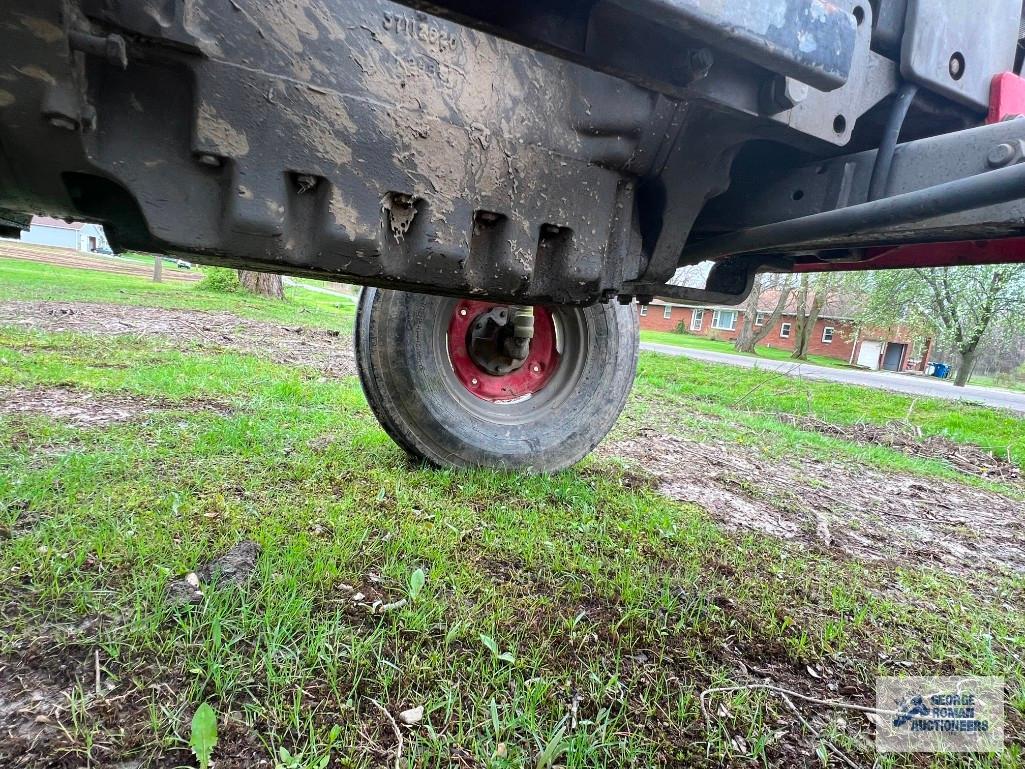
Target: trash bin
(930, 369)
(942, 370)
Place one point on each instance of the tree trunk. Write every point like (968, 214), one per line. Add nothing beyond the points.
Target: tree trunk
(751, 334)
(801, 342)
(262, 283)
(158, 269)
(746, 340)
(964, 371)
(799, 317)
(807, 318)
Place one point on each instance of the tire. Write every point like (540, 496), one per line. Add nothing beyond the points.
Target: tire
(406, 368)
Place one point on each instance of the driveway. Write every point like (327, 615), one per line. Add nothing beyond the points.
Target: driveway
(883, 380)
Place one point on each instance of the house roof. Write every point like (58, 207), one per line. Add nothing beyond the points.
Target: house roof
(60, 224)
(845, 306)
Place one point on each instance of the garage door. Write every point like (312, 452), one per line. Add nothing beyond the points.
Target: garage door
(894, 356)
(868, 354)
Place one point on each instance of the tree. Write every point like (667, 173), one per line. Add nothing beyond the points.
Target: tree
(1002, 349)
(262, 283)
(813, 293)
(764, 285)
(692, 275)
(962, 304)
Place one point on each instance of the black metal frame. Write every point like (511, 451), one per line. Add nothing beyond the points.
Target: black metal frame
(611, 141)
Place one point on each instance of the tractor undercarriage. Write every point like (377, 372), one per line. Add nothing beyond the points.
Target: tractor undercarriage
(560, 154)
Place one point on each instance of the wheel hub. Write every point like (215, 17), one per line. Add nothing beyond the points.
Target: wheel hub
(488, 343)
(478, 349)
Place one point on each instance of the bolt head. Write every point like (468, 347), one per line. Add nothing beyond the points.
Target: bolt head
(795, 90)
(783, 93)
(1000, 155)
(536, 369)
(474, 382)
(462, 312)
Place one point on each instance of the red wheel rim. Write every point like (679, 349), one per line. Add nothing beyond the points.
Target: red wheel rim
(528, 379)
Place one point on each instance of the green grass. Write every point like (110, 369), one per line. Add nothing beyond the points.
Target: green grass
(696, 342)
(572, 575)
(24, 281)
(147, 259)
(610, 607)
(734, 393)
(982, 380)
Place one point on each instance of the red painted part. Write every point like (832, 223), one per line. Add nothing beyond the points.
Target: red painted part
(953, 254)
(528, 379)
(1006, 97)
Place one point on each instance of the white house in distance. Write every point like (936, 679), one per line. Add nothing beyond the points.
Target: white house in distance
(80, 236)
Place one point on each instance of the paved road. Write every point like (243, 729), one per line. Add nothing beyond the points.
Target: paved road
(912, 385)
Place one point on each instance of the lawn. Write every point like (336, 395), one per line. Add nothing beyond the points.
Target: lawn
(990, 381)
(27, 281)
(571, 620)
(696, 342)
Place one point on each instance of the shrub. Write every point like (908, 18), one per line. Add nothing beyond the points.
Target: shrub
(222, 279)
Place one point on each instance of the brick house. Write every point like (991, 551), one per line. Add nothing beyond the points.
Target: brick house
(836, 334)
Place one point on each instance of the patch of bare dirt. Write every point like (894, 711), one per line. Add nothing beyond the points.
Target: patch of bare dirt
(235, 567)
(76, 407)
(84, 408)
(908, 439)
(65, 703)
(328, 351)
(850, 509)
(35, 696)
(40, 682)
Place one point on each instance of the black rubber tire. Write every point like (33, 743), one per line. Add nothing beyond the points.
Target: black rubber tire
(402, 357)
